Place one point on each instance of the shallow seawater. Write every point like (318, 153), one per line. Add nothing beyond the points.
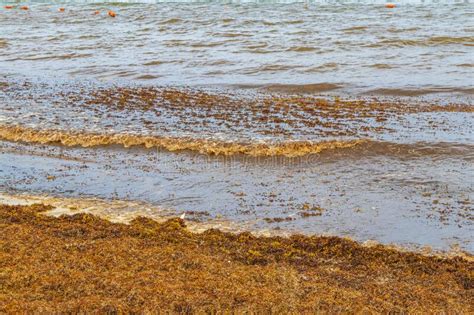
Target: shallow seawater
(347, 119)
(403, 198)
(360, 47)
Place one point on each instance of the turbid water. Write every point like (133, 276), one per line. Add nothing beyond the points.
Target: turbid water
(351, 120)
(357, 47)
(408, 198)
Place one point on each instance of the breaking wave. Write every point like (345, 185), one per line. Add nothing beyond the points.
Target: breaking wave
(203, 146)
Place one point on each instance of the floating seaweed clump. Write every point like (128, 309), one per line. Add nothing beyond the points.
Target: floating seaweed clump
(82, 263)
(214, 123)
(277, 219)
(205, 146)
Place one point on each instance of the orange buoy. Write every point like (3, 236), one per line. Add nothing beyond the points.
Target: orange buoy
(96, 12)
(61, 9)
(390, 5)
(111, 13)
(24, 8)
(8, 7)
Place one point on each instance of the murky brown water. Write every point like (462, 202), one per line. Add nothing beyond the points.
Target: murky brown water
(359, 47)
(415, 195)
(385, 169)
(256, 115)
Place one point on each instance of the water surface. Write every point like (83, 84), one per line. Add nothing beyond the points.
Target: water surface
(355, 47)
(344, 118)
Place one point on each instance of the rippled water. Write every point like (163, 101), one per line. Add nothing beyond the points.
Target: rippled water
(352, 47)
(345, 118)
(407, 199)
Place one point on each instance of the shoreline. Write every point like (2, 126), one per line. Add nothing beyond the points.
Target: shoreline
(84, 263)
(221, 158)
(125, 211)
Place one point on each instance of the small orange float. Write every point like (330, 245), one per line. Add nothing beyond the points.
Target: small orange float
(24, 8)
(96, 12)
(61, 9)
(390, 5)
(111, 13)
(8, 7)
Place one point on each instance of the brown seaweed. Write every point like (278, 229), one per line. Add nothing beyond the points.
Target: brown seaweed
(82, 263)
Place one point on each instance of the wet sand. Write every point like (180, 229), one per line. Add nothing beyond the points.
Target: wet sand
(81, 263)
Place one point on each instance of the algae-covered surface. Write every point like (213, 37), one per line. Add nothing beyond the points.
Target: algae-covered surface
(290, 140)
(82, 263)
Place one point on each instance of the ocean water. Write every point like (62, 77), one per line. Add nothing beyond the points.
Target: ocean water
(358, 47)
(319, 117)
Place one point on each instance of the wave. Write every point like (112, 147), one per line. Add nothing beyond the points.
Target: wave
(424, 91)
(302, 88)
(425, 42)
(329, 149)
(203, 146)
(240, 2)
